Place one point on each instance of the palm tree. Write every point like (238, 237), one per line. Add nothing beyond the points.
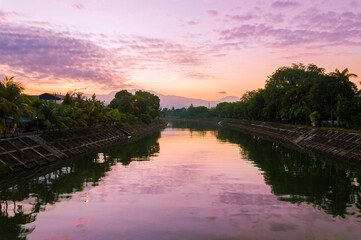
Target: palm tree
(13, 103)
(48, 115)
(68, 99)
(344, 75)
(341, 87)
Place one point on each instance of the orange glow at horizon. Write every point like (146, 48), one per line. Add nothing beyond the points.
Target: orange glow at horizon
(209, 50)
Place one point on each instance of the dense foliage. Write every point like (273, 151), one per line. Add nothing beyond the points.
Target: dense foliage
(297, 94)
(12, 101)
(142, 105)
(75, 110)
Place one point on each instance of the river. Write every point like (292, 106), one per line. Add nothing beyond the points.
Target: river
(190, 181)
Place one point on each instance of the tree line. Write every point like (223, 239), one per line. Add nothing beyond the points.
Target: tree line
(75, 110)
(295, 94)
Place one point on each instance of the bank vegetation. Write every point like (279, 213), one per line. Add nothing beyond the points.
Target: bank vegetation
(76, 110)
(296, 94)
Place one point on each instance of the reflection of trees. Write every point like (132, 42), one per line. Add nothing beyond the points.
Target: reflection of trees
(61, 180)
(141, 151)
(11, 226)
(195, 126)
(299, 177)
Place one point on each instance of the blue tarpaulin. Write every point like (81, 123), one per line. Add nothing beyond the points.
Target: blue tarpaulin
(23, 119)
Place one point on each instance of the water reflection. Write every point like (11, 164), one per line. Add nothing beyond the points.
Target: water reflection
(22, 199)
(295, 176)
(12, 222)
(194, 126)
(141, 151)
(197, 181)
(298, 177)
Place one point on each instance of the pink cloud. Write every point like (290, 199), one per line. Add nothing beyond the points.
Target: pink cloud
(188, 22)
(56, 55)
(354, 4)
(212, 13)
(153, 50)
(242, 18)
(275, 18)
(225, 46)
(3, 16)
(192, 23)
(49, 57)
(302, 55)
(311, 29)
(79, 7)
(197, 75)
(285, 4)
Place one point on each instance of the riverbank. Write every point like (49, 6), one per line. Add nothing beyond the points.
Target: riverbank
(339, 144)
(27, 152)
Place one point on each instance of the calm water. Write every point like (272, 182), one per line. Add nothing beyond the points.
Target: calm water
(190, 181)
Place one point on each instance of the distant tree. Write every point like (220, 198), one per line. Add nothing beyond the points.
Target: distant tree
(200, 111)
(221, 109)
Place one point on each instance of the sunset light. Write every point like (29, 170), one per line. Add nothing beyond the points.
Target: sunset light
(190, 48)
(180, 119)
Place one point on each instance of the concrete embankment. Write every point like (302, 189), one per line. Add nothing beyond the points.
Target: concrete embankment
(337, 143)
(28, 152)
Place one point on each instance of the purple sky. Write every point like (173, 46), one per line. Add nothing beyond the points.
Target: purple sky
(192, 48)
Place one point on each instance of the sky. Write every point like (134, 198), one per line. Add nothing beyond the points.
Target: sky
(205, 49)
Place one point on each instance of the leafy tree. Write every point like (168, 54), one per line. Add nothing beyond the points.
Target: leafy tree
(68, 99)
(142, 105)
(344, 75)
(256, 105)
(47, 114)
(152, 103)
(298, 93)
(13, 102)
(122, 101)
(344, 88)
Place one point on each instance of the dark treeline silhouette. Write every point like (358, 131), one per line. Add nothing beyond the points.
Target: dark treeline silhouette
(61, 181)
(74, 111)
(295, 176)
(299, 177)
(297, 94)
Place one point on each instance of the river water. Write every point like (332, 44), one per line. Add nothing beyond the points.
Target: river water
(189, 181)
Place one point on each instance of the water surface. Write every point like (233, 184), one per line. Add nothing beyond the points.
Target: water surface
(190, 181)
